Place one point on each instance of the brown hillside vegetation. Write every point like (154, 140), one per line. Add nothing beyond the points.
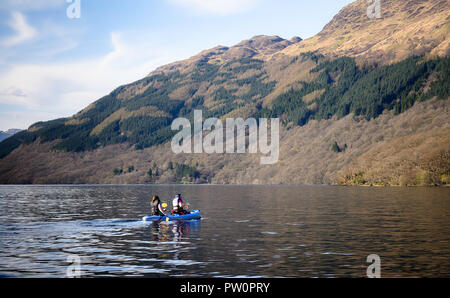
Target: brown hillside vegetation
(406, 27)
(259, 47)
(407, 149)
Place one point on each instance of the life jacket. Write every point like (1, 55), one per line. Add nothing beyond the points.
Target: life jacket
(176, 205)
(155, 207)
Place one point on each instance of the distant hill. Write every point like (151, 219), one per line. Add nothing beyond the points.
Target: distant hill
(364, 102)
(8, 133)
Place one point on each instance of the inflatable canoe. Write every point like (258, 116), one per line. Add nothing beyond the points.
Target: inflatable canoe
(194, 214)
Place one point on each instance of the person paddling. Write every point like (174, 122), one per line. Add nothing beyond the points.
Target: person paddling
(157, 209)
(177, 204)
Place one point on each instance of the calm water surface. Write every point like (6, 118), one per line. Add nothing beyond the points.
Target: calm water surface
(246, 231)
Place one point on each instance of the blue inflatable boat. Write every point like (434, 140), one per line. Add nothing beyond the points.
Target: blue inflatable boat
(194, 214)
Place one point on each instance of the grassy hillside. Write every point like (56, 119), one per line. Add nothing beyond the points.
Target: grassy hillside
(409, 27)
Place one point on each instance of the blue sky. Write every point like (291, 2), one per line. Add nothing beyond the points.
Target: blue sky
(52, 66)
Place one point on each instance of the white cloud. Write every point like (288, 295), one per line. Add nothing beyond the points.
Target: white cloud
(62, 89)
(11, 91)
(216, 7)
(16, 119)
(24, 31)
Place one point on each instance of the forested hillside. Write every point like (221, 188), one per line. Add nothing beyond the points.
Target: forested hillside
(299, 81)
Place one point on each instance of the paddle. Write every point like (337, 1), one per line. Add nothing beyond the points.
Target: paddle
(164, 205)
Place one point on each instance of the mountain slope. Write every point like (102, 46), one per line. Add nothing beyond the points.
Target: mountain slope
(410, 27)
(6, 134)
(355, 73)
(391, 150)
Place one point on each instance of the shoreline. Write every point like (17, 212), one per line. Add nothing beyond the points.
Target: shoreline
(212, 184)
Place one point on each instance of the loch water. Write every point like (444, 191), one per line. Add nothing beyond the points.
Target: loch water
(245, 231)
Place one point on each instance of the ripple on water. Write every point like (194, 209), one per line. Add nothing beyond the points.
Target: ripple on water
(247, 231)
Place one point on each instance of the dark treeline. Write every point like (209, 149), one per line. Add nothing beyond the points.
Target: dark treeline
(348, 89)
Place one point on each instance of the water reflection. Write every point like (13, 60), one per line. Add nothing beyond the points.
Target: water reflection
(174, 231)
(251, 231)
